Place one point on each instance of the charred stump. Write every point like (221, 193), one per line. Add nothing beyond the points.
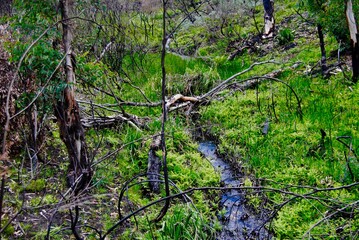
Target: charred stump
(154, 165)
(323, 60)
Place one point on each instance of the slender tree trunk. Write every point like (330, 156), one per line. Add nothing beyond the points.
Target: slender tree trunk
(68, 115)
(323, 60)
(164, 114)
(269, 22)
(354, 37)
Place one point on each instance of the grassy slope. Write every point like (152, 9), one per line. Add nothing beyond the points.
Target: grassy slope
(281, 156)
(285, 155)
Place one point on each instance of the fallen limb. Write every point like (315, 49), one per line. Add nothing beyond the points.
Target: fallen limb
(109, 121)
(177, 101)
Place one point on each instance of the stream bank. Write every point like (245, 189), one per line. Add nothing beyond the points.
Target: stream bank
(238, 221)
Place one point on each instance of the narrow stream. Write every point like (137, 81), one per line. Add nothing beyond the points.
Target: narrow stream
(238, 221)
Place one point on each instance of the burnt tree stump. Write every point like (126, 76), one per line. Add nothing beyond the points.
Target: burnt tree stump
(154, 165)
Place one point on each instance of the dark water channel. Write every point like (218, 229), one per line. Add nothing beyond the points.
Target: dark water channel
(238, 222)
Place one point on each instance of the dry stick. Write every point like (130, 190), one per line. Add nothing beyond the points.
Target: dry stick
(70, 190)
(133, 104)
(328, 217)
(164, 116)
(222, 84)
(225, 84)
(350, 148)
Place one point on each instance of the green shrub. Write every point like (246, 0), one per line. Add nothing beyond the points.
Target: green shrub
(285, 36)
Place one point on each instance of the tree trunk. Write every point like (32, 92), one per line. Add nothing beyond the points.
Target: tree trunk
(68, 115)
(323, 60)
(354, 37)
(268, 18)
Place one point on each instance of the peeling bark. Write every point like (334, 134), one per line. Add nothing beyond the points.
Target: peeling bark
(269, 22)
(68, 116)
(354, 37)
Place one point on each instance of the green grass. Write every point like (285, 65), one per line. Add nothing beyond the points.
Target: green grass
(328, 105)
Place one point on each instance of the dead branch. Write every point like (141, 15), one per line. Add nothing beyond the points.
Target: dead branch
(109, 121)
(104, 51)
(179, 97)
(120, 103)
(214, 90)
(329, 216)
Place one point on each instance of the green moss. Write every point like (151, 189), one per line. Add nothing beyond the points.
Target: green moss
(36, 185)
(9, 230)
(329, 105)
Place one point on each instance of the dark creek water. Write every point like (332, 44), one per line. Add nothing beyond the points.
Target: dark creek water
(238, 221)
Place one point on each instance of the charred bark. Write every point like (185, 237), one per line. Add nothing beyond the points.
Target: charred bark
(68, 116)
(323, 60)
(269, 22)
(355, 59)
(154, 165)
